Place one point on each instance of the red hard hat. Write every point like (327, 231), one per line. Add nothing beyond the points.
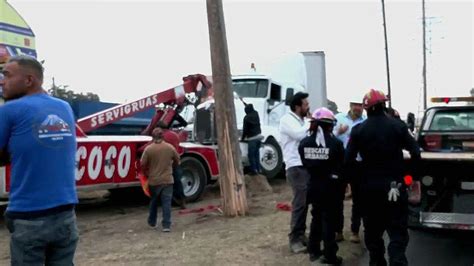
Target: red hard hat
(373, 97)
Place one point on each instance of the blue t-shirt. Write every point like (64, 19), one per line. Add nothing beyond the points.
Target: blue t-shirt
(345, 119)
(38, 131)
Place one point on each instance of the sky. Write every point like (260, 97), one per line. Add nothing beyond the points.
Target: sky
(126, 50)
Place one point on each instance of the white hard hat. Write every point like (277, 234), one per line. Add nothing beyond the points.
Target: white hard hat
(356, 101)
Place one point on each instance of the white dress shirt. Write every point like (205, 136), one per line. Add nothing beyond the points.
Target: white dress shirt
(292, 130)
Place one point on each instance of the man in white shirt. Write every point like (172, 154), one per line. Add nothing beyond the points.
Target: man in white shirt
(342, 130)
(293, 128)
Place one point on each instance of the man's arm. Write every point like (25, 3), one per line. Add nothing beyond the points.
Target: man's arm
(339, 159)
(352, 150)
(181, 122)
(301, 152)
(340, 127)
(244, 129)
(335, 130)
(5, 131)
(294, 130)
(410, 144)
(176, 161)
(144, 162)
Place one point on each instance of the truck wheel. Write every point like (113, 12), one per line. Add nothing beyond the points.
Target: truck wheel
(194, 178)
(271, 158)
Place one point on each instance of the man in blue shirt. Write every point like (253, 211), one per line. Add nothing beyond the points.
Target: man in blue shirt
(342, 130)
(38, 133)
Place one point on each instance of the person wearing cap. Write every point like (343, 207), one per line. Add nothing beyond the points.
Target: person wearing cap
(171, 137)
(322, 155)
(293, 128)
(342, 130)
(157, 161)
(379, 141)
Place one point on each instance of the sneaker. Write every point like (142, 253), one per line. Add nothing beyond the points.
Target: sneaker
(333, 261)
(339, 237)
(297, 247)
(153, 226)
(354, 238)
(166, 230)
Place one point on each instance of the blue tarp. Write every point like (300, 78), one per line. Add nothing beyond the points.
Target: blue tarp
(84, 108)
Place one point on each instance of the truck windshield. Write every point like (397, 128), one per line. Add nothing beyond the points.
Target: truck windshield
(453, 120)
(251, 88)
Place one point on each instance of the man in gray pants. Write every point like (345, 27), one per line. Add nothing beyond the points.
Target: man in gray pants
(293, 128)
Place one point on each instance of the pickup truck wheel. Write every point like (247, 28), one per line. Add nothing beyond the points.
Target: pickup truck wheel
(271, 158)
(194, 178)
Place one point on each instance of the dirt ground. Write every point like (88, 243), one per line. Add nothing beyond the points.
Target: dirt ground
(115, 232)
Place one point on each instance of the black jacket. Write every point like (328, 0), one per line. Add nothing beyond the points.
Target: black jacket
(251, 123)
(380, 140)
(324, 164)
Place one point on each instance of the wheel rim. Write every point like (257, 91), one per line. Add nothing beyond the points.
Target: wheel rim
(268, 157)
(191, 182)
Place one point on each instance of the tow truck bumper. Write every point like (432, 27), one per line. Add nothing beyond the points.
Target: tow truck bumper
(457, 221)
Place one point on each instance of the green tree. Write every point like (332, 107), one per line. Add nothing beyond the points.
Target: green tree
(61, 92)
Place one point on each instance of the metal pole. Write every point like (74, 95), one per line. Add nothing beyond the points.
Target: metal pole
(424, 59)
(386, 54)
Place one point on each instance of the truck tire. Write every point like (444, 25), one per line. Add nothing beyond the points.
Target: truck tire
(271, 158)
(194, 178)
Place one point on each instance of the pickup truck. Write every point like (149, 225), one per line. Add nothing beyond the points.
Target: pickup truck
(446, 137)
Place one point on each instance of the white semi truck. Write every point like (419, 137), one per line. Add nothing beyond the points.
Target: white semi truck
(270, 97)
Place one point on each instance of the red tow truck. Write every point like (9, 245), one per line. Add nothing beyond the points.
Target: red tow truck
(110, 162)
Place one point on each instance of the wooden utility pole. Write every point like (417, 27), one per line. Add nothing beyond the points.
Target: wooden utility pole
(425, 96)
(231, 179)
(386, 54)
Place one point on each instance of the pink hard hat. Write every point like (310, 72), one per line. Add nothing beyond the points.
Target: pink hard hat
(324, 114)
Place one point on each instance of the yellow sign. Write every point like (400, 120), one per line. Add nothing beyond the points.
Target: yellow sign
(16, 37)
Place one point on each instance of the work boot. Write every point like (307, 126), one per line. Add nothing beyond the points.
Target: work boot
(182, 204)
(304, 240)
(339, 237)
(378, 262)
(297, 247)
(315, 256)
(332, 261)
(354, 238)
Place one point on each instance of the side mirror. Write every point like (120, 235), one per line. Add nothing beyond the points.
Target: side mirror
(289, 96)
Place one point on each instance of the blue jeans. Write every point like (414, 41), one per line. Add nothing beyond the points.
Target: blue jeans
(47, 240)
(165, 194)
(178, 191)
(254, 155)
